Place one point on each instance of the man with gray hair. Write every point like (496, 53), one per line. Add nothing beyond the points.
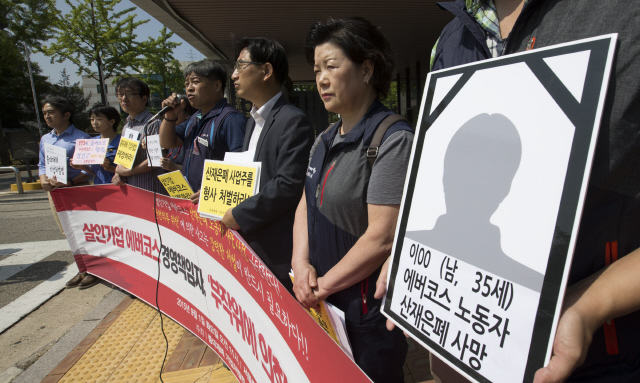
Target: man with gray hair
(216, 128)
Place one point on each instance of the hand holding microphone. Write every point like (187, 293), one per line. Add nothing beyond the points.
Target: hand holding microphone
(171, 107)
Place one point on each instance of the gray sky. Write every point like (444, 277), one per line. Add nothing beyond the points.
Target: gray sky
(152, 28)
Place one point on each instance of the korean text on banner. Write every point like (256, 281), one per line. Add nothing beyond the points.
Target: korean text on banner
(55, 162)
(126, 153)
(210, 282)
(154, 150)
(177, 186)
(90, 152)
(225, 185)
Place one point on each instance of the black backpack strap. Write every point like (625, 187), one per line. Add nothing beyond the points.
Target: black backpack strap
(374, 147)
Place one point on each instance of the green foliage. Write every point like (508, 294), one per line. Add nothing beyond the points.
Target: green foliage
(29, 21)
(391, 101)
(160, 70)
(94, 35)
(25, 21)
(74, 93)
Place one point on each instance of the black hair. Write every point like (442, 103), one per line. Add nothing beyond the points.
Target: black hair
(360, 40)
(61, 104)
(134, 84)
(209, 69)
(109, 112)
(266, 51)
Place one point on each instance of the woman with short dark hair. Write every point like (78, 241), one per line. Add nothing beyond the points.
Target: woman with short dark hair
(346, 219)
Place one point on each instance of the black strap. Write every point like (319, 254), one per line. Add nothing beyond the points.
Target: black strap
(374, 147)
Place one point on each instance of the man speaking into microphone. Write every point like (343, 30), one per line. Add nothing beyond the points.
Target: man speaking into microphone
(216, 128)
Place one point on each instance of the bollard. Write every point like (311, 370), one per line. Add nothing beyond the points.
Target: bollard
(18, 177)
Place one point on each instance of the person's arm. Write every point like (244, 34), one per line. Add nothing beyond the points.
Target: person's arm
(369, 252)
(305, 275)
(142, 167)
(283, 192)
(169, 165)
(57, 184)
(168, 137)
(588, 305)
(44, 180)
(233, 130)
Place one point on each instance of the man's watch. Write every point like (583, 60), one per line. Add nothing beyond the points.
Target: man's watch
(165, 117)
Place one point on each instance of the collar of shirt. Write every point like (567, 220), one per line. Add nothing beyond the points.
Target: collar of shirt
(141, 117)
(260, 115)
(69, 131)
(485, 13)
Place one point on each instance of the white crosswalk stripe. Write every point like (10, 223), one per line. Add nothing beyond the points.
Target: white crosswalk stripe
(26, 254)
(23, 256)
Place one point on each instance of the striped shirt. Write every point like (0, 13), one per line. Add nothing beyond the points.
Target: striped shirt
(147, 180)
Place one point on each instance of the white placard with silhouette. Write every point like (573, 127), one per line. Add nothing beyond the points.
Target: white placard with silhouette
(491, 206)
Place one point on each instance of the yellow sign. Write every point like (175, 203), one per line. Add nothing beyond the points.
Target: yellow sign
(225, 185)
(176, 185)
(126, 153)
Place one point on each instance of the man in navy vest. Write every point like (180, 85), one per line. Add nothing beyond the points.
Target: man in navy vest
(216, 128)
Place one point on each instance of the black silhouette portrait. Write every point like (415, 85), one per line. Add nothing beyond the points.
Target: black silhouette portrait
(480, 163)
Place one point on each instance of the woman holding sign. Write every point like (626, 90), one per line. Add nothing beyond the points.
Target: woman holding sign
(104, 120)
(346, 219)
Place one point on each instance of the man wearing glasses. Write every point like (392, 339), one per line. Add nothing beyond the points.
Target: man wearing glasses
(216, 128)
(133, 95)
(280, 136)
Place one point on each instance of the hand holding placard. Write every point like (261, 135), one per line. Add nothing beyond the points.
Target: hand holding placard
(55, 162)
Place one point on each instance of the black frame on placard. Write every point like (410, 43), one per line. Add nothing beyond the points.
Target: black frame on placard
(583, 115)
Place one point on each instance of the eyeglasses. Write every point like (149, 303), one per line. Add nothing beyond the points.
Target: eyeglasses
(242, 65)
(127, 95)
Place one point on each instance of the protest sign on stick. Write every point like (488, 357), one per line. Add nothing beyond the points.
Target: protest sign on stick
(176, 185)
(225, 185)
(154, 150)
(492, 204)
(126, 154)
(55, 160)
(90, 152)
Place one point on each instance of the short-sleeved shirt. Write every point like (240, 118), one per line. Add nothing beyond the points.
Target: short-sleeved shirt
(66, 140)
(147, 180)
(386, 183)
(103, 176)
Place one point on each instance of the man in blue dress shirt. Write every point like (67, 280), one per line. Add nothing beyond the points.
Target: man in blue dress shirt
(58, 113)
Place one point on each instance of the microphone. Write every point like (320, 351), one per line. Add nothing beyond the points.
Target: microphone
(167, 108)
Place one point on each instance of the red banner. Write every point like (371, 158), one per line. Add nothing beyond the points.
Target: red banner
(211, 283)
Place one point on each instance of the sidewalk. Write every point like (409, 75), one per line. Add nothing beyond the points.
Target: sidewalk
(128, 346)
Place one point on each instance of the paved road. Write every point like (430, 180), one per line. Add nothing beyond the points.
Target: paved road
(37, 315)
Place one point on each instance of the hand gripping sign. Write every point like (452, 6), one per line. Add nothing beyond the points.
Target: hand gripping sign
(211, 283)
(492, 204)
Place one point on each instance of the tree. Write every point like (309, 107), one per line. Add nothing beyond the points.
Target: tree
(161, 71)
(98, 39)
(22, 22)
(73, 93)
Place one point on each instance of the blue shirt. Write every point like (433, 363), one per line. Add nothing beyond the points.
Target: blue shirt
(209, 136)
(65, 140)
(231, 132)
(103, 176)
